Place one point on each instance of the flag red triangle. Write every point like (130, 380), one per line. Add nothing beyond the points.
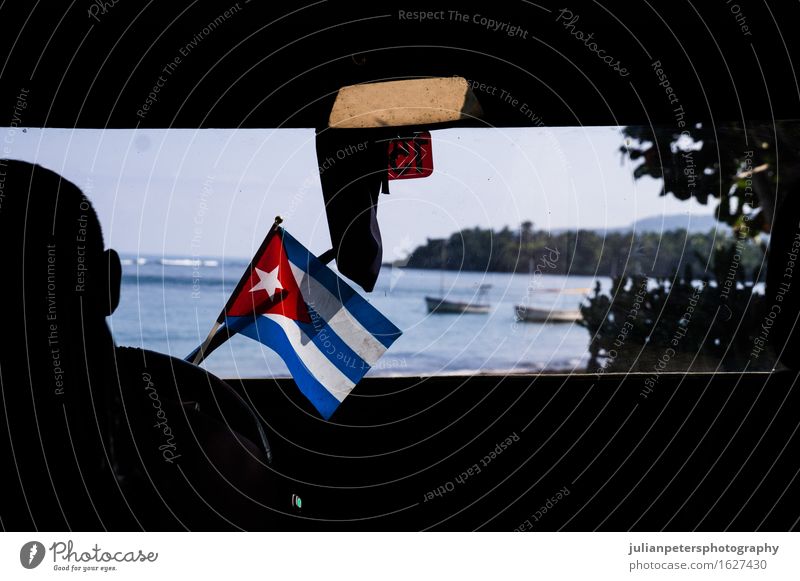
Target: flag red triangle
(271, 287)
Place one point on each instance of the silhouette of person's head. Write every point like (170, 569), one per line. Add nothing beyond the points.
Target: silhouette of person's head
(49, 230)
(56, 361)
(76, 406)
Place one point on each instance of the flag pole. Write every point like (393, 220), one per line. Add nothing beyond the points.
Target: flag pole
(198, 355)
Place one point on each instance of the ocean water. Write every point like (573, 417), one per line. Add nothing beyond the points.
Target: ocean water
(170, 305)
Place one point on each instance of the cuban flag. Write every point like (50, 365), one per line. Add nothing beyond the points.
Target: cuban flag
(328, 335)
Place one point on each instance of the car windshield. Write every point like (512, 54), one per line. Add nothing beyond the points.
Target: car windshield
(527, 250)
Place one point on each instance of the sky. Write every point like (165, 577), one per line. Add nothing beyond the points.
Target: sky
(215, 192)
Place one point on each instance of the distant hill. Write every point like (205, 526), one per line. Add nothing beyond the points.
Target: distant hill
(694, 224)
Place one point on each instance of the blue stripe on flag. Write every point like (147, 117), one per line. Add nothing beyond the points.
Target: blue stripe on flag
(369, 317)
(334, 348)
(269, 333)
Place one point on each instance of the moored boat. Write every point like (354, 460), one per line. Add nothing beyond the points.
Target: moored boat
(443, 306)
(527, 314)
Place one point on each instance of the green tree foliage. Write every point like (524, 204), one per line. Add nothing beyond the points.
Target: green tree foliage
(659, 325)
(647, 328)
(582, 252)
(735, 164)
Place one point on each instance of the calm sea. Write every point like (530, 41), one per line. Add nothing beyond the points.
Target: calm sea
(170, 305)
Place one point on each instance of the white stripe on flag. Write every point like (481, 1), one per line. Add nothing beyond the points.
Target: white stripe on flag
(315, 360)
(339, 319)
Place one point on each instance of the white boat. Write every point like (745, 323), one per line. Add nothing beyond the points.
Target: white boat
(527, 314)
(442, 306)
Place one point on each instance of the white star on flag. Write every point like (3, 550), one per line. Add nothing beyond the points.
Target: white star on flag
(268, 282)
